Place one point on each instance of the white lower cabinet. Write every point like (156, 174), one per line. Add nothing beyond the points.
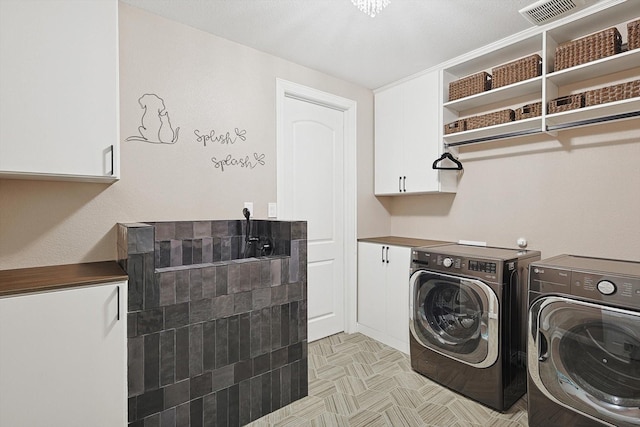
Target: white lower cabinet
(383, 293)
(63, 358)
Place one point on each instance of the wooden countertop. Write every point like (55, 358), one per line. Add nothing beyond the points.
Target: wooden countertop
(403, 241)
(36, 279)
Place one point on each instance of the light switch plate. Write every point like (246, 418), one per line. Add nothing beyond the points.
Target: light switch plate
(273, 210)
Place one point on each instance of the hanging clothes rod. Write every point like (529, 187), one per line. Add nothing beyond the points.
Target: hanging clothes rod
(550, 128)
(492, 138)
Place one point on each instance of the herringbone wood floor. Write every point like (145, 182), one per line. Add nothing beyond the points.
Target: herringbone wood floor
(357, 381)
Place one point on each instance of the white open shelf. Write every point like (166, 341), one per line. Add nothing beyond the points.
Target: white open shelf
(519, 127)
(601, 67)
(547, 86)
(500, 94)
(594, 113)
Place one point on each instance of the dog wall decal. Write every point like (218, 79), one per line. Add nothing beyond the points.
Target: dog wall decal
(155, 126)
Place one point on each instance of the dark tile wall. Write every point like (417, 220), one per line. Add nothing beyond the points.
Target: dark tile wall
(211, 341)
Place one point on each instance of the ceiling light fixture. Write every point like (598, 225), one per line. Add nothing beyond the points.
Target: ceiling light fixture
(371, 7)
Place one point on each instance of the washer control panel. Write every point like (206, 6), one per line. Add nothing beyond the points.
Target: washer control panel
(482, 268)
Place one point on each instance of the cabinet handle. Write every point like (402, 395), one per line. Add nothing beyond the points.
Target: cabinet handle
(387, 254)
(382, 254)
(118, 303)
(399, 184)
(111, 173)
(404, 184)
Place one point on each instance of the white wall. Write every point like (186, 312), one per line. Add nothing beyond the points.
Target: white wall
(207, 84)
(578, 193)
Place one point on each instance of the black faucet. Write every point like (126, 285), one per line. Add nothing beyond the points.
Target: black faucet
(248, 240)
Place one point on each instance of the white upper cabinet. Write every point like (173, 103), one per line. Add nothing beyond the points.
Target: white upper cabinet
(408, 138)
(59, 103)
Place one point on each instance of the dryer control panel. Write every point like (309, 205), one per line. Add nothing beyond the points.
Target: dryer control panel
(624, 291)
(610, 287)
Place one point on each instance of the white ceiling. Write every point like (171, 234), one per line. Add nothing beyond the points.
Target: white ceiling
(334, 37)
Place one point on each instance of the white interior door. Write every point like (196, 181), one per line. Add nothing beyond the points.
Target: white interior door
(306, 190)
(314, 184)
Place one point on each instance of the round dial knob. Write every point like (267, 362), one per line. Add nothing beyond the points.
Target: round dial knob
(447, 262)
(606, 287)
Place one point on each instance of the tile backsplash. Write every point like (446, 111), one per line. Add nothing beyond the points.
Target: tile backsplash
(197, 242)
(214, 339)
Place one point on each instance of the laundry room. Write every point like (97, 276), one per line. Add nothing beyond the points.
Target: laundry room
(284, 212)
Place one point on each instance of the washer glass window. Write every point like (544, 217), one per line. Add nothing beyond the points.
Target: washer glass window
(455, 316)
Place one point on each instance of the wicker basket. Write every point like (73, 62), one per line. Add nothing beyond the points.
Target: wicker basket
(517, 71)
(470, 85)
(612, 93)
(633, 34)
(566, 103)
(454, 127)
(595, 46)
(529, 110)
(490, 119)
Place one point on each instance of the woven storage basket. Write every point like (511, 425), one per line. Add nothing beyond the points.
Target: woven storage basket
(566, 103)
(633, 34)
(586, 49)
(490, 119)
(529, 110)
(470, 85)
(517, 71)
(454, 127)
(612, 93)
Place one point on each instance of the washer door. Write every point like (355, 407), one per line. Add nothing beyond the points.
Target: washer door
(455, 316)
(587, 357)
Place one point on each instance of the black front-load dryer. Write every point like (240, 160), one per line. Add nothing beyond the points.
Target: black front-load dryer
(467, 316)
(584, 342)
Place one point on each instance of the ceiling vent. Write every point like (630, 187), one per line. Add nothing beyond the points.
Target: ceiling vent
(545, 11)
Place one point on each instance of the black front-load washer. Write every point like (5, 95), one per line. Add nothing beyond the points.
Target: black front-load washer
(467, 316)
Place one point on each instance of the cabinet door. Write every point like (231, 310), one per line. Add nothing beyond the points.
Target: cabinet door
(372, 285)
(59, 89)
(397, 294)
(408, 138)
(388, 140)
(63, 358)
(422, 143)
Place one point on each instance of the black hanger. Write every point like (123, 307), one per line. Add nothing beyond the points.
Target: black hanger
(447, 155)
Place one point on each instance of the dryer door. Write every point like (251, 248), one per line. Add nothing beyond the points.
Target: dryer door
(586, 357)
(455, 316)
